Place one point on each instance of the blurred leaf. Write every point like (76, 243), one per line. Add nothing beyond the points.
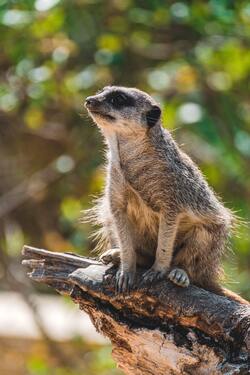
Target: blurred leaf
(70, 208)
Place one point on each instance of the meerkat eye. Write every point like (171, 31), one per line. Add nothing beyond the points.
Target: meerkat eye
(120, 100)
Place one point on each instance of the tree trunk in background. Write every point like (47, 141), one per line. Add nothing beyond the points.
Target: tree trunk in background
(163, 329)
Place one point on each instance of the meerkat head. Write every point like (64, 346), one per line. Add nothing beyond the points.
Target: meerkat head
(123, 109)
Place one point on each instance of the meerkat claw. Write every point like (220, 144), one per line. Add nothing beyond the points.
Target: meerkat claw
(179, 277)
(153, 275)
(124, 281)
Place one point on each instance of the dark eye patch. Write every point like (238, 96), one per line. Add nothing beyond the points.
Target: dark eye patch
(119, 100)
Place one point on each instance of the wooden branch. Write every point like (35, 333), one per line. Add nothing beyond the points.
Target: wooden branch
(163, 329)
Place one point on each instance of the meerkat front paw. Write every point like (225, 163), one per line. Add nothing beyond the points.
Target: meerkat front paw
(179, 277)
(111, 256)
(124, 280)
(154, 275)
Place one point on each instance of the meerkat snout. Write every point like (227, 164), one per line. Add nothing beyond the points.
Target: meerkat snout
(90, 102)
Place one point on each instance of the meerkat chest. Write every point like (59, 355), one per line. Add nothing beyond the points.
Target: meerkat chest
(140, 170)
(115, 173)
(126, 184)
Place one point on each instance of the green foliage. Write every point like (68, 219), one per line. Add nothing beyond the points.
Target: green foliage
(193, 57)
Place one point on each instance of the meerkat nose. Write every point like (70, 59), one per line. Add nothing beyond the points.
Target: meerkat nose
(91, 102)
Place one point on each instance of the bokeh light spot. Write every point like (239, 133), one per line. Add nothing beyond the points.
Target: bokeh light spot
(103, 57)
(16, 18)
(219, 81)
(60, 54)
(179, 10)
(40, 74)
(65, 163)
(8, 102)
(158, 80)
(189, 113)
(43, 5)
(242, 142)
(70, 208)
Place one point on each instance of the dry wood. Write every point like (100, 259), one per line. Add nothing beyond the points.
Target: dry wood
(162, 329)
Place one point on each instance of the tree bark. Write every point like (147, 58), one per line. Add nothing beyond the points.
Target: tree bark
(156, 330)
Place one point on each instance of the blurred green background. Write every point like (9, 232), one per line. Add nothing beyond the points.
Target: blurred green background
(192, 56)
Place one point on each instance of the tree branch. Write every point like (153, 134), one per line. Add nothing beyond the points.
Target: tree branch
(161, 329)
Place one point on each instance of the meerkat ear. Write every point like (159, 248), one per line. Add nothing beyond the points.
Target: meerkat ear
(153, 115)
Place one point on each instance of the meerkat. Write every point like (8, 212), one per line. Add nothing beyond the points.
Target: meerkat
(157, 210)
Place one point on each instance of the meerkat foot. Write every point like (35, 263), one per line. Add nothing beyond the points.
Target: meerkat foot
(124, 281)
(111, 256)
(154, 275)
(179, 277)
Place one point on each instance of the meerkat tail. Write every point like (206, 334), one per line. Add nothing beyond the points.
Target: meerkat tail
(229, 294)
(234, 296)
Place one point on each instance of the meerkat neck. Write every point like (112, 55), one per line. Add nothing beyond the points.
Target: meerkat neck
(113, 148)
(114, 139)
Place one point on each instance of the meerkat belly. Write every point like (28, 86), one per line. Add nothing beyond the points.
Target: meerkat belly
(146, 182)
(187, 224)
(144, 222)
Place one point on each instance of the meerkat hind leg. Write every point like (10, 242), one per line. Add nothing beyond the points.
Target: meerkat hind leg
(111, 256)
(179, 277)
